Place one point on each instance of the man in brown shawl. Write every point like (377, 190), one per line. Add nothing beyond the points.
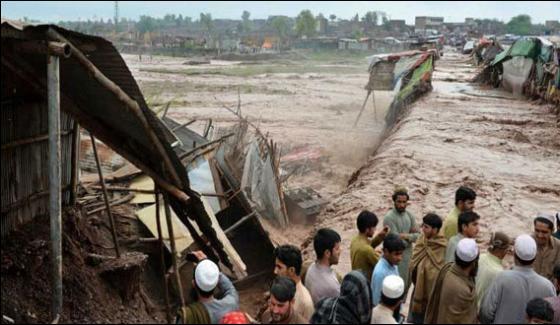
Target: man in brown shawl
(453, 300)
(428, 257)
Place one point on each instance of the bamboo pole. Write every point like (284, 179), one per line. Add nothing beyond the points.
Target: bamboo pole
(75, 163)
(362, 110)
(173, 248)
(105, 197)
(162, 260)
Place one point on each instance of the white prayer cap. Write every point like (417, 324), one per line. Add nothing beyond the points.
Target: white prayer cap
(467, 250)
(525, 248)
(547, 216)
(393, 287)
(206, 275)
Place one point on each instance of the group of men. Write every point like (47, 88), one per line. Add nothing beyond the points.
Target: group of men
(452, 281)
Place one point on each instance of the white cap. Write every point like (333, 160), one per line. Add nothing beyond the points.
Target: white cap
(467, 250)
(546, 216)
(525, 248)
(206, 275)
(393, 287)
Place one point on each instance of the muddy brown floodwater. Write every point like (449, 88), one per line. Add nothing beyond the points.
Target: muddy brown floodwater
(506, 148)
(307, 112)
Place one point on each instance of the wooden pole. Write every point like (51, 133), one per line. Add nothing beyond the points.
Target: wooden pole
(173, 248)
(374, 107)
(162, 259)
(183, 125)
(239, 223)
(105, 197)
(53, 91)
(75, 162)
(362, 110)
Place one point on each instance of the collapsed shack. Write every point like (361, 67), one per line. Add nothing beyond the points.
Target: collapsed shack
(529, 67)
(407, 74)
(485, 50)
(98, 93)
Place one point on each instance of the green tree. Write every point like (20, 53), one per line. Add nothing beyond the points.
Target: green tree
(305, 23)
(520, 25)
(207, 23)
(370, 19)
(145, 24)
(245, 25)
(385, 23)
(281, 28)
(332, 17)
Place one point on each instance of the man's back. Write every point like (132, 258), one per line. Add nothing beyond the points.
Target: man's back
(489, 266)
(457, 298)
(450, 225)
(452, 248)
(217, 308)
(303, 304)
(363, 256)
(507, 298)
(321, 281)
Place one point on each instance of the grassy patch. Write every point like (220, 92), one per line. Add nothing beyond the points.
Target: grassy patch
(153, 90)
(253, 70)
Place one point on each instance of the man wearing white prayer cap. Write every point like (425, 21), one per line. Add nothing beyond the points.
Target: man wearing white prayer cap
(392, 295)
(208, 308)
(453, 300)
(507, 298)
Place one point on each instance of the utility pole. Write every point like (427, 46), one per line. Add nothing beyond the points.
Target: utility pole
(116, 18)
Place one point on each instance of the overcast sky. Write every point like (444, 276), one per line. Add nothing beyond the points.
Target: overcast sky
(452, 11)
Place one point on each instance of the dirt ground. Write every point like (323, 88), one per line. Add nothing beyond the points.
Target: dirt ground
(88, 297)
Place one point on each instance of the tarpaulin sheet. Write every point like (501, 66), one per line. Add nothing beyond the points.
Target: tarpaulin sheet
(501, 57)
(516, 72)
(469, 46)
(419, 73)
(259, 184)
(526, 47)
(403, 66)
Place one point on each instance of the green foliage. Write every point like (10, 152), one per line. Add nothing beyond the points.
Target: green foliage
(246, 23)
(520, 25)
(145, 24)
(305, 24)
(370, 19)
(280, 26)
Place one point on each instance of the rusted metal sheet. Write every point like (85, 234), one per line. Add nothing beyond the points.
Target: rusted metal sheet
(24, 168)
(98, 90)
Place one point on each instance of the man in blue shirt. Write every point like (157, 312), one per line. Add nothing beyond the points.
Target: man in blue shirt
(393, 248)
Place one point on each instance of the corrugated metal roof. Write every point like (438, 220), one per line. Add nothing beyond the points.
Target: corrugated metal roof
(100, 111)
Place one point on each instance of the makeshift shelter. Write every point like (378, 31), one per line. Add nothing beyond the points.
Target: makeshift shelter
(529, 67)
(407, 74)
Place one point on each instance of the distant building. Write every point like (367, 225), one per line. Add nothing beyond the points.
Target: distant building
(552, 26)
(397, 25)
(322, 25)
(425, 23)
